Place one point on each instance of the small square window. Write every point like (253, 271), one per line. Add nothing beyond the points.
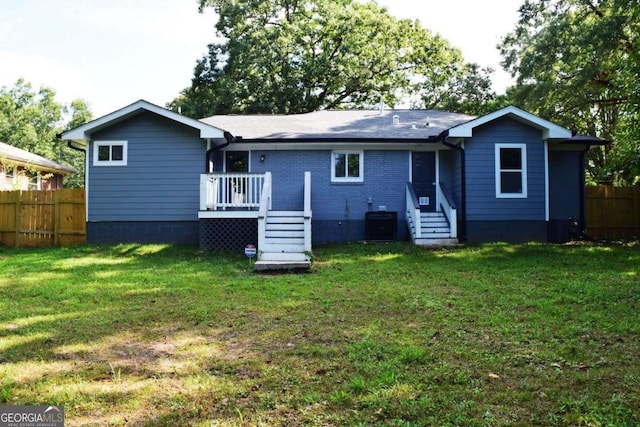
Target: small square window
(347, 166)
(511, 170)
(110, 153)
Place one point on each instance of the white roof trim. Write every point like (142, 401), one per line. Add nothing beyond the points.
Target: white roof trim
(549, 130)
(83, 132)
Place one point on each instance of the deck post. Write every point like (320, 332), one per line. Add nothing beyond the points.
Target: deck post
(307, 211)
(204, 178)
(263, 212)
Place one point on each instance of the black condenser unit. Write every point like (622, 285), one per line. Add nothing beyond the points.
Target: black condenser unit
(380, 226)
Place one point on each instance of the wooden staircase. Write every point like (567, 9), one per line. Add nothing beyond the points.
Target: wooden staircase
(284, 242)
(434, 230)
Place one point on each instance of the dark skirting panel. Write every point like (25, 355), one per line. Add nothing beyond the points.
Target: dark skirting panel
(507, 231)
(112, 232)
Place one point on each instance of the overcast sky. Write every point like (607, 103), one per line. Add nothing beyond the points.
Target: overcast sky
(114, 52)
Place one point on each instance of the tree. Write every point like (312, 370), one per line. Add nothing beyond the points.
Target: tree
(31, 121)
(294, 56)
(576, 62)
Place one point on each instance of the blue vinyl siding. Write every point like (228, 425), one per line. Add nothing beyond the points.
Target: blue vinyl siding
(565, 181)
(482, 204)
(161, 179)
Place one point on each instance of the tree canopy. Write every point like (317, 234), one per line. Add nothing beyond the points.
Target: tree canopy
(577, 63)
(31, 120)
(293, 56)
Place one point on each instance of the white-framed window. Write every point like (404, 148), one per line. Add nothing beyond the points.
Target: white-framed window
(110, 153)
(511, 170)
(347, 166)
(35, 182)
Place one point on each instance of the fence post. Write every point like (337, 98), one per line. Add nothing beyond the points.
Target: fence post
(56, 218)
(18, 196)
(636, 209)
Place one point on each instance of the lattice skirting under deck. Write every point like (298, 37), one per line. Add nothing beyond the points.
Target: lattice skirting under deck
(227, 234)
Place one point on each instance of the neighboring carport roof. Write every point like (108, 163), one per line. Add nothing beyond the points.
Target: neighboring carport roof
(82, 133)
(586, 140)
(372, 125)
(25, 158)
(549, 130)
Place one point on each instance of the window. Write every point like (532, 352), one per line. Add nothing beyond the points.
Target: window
(34, 182)
(511, 170)
(110, 153)
(347, 166)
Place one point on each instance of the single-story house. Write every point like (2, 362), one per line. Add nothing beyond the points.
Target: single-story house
(284, 181)
(23, 170)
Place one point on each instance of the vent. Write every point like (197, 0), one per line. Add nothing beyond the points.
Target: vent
(396, 119)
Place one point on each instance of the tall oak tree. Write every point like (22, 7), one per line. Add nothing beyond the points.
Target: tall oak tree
(294, 56)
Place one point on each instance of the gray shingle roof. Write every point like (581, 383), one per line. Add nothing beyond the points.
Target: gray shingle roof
(340, 124)
(23, 157)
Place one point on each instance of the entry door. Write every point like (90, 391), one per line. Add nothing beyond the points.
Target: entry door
(238, 188)
(236, 161)
(423, 176)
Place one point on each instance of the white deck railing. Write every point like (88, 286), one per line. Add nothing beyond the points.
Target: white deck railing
(220, 191)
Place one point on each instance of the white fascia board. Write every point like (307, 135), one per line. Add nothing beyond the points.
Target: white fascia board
(331, 145)
(82, 133)
(549, 130)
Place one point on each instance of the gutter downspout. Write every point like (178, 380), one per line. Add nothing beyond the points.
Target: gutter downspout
(229, 138)
(84, 151)
(463, 184)
(582, 180)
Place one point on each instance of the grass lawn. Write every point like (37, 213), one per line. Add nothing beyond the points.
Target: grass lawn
(389, 335)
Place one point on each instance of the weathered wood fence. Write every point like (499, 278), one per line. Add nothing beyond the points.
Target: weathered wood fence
(613, 212)
(42, 218)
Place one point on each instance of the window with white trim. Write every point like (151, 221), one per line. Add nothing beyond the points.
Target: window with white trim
(347, 166)
(511, 170)
(110, 153)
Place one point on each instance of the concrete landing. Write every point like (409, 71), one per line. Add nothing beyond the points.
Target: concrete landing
(281, 265)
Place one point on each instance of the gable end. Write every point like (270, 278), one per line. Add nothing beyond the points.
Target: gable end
(549, 130)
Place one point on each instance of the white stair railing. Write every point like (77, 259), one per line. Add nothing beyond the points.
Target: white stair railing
(449, 210)
(263, 211)
(307, 211)
(413, 211)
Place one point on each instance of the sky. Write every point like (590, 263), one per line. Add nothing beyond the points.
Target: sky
(114, 52)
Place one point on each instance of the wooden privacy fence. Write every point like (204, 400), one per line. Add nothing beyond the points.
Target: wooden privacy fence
(42, 218)
(613, 212)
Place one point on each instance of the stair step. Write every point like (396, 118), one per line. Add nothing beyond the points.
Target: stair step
(431, 230)
(283, 247)
(437, 242)
(431, 215)
(285, 220)
(284, 240)
(436, 235)
(281, 265)
(284, 227)
(284, 234)
(283, 256)
(285, 214)
(435, 223)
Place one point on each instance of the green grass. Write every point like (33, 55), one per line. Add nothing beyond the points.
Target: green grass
(389, 335)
